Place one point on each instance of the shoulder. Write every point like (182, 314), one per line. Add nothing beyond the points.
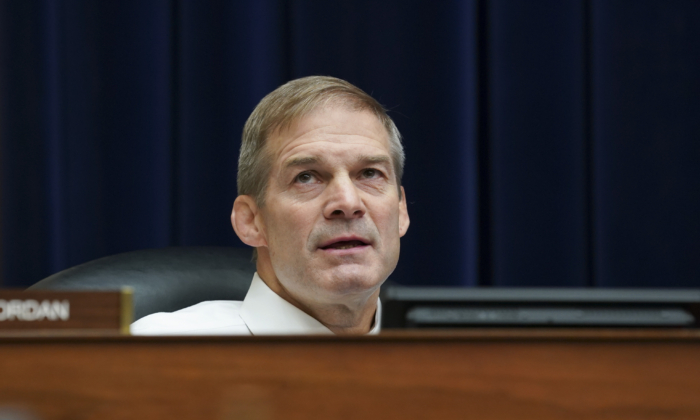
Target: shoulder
(217, 317)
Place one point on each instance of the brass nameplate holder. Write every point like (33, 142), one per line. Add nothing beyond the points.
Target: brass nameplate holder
(66, 311)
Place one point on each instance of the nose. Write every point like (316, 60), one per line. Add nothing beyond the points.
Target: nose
(344, 201)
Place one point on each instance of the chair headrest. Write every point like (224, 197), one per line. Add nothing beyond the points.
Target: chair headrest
(164, 280)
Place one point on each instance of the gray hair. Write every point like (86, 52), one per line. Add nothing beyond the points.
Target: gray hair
(291, 102)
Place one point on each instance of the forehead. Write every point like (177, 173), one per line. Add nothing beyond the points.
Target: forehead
(329, 130)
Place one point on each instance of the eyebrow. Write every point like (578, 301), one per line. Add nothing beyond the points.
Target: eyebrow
(302, 161)
(311, 160)
(374, 159)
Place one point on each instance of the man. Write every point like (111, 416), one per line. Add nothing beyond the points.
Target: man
(321, 201)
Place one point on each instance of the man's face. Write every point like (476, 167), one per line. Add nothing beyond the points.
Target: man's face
(332, 216)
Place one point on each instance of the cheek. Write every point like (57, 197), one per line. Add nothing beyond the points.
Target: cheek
(289, 228)
(391, 214)
(388, 223)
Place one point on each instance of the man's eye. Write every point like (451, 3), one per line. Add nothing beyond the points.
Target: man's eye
(305, 178)
(370, 173)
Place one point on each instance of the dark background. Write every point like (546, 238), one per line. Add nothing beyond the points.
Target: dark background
(549, 143)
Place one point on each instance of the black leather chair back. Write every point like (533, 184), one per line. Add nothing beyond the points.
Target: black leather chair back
(164, 280)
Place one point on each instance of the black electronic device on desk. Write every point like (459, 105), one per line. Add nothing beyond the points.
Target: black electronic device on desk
(457, 307)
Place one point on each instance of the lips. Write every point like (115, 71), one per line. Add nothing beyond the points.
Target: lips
(344, 243)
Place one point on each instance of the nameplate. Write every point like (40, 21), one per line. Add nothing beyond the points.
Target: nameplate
(61, 310)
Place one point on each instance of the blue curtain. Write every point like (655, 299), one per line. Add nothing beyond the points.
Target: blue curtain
(549, 143)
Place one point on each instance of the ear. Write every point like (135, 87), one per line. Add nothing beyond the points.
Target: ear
(404, 221)
(247, 221)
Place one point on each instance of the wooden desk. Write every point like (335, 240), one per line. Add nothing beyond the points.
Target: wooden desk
(475, 374)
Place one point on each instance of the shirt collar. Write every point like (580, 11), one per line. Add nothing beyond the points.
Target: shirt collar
(266, 313)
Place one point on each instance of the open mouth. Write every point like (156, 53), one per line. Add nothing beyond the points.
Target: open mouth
(344, 244)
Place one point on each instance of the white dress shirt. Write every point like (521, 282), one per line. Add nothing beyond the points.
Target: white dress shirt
(262, 312)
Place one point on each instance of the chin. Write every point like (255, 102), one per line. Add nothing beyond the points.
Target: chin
(346, 280)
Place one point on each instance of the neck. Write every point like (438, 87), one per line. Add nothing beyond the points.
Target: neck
(350, 315)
